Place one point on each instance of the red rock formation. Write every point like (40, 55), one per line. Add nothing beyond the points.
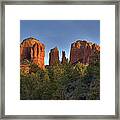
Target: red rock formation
(32, 50)
(53, 56)
(64, 60)
(82, 51)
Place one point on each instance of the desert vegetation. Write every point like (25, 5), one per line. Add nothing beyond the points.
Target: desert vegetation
(61, 82)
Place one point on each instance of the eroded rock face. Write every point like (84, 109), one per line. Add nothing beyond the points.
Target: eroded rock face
(64, 59)
(53, 56)
(83, 51)
(32, 50)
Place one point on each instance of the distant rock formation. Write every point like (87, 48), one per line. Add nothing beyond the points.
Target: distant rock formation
(64, 59)
(32, 50)
(82, 51)
(53, 56)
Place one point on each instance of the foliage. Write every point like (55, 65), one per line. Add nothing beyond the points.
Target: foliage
(61, 82)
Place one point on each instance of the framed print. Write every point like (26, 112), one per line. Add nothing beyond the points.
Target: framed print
(59, 59)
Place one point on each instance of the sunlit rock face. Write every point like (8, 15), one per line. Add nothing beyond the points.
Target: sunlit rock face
(82, 51)
(32, 50)
(53, 56)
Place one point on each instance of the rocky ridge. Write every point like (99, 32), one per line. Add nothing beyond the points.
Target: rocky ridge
(81, 51)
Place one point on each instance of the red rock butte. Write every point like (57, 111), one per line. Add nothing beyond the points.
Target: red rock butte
(82, 51)
(32, 50)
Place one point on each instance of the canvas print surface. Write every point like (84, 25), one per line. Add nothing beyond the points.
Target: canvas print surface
(60, 60)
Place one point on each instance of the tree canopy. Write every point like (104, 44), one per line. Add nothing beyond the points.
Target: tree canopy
(61, 82)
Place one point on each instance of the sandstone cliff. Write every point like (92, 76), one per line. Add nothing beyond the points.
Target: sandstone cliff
(32, 50)
(83, 51)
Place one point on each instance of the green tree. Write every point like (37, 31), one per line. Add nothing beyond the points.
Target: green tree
(81, 69)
